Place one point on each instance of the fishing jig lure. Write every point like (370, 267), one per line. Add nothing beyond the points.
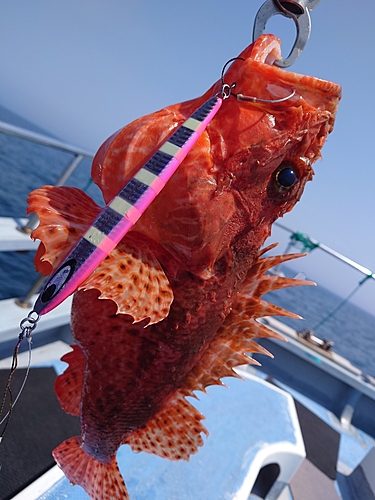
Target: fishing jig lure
(124, 210)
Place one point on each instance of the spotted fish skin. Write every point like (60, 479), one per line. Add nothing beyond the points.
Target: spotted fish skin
(173, 308)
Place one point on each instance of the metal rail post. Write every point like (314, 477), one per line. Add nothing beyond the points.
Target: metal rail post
(34, 219)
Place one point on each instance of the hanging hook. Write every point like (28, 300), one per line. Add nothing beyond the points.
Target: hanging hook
(299, 11)
(247, 98)
(227, 90)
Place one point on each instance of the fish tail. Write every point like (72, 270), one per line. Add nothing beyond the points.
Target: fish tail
(100, 481)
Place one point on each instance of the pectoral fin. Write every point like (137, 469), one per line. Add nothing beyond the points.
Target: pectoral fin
(130, 275)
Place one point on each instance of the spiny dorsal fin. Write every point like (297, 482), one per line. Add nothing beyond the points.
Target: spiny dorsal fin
(236, 336)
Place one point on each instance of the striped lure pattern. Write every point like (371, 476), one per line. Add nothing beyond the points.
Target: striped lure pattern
(124, 210)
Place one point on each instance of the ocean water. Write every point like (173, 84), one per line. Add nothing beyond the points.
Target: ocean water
(25, 166)
(351, 329)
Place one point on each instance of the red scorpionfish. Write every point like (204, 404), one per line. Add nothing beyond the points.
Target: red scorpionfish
(173, 308)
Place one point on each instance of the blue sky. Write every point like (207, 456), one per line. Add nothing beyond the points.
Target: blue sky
(84, 68)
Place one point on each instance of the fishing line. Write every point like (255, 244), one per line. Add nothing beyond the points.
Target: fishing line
(27, 325)
(332, 313)
(225, 88)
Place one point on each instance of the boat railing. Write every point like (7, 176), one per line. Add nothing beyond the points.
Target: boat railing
(79, 154)
(45, 140)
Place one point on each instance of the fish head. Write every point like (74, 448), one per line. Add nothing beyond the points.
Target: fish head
(248, 168)
(263, 151)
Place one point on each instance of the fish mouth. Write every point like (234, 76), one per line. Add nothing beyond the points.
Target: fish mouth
(256, 75)
(266, 50)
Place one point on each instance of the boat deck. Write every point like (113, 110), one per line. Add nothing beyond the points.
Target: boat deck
(254, 426)
(241, 442)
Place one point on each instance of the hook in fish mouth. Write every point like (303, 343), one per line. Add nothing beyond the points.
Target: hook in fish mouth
(246, 98)
(270, 54)
(266, 52)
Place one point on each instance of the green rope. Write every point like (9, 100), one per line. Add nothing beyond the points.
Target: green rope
(331, 314)
(307, 244)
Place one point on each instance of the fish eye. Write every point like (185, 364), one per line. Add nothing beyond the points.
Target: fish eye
(285, 177)
(58, 280)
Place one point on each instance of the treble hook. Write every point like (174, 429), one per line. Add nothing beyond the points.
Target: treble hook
(299, 11)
